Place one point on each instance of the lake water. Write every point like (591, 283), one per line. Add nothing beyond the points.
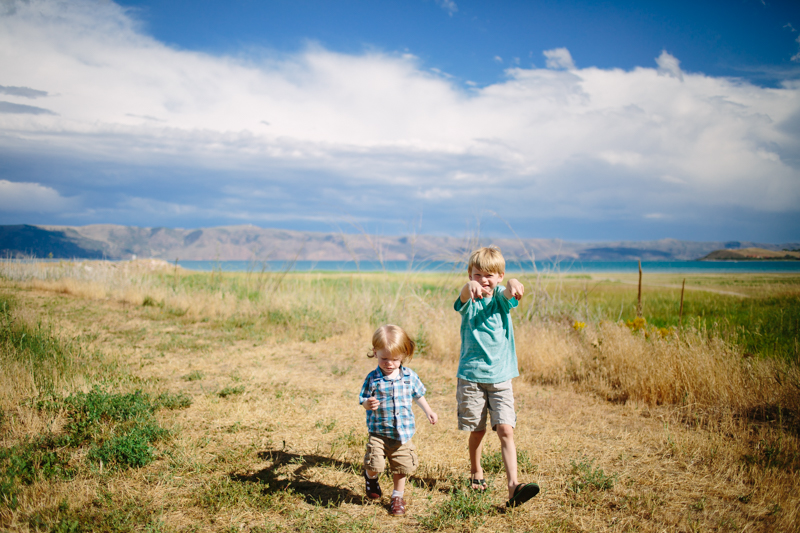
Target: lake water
(568, 267)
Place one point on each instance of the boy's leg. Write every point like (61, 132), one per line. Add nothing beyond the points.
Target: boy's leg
(374, 464)
(503, 418)
(508, 450)
(399, 482)
(475, 451)
(403, 461)
(397, 505)
(472, 413)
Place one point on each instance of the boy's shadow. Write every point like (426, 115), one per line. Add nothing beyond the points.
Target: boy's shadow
(314, 492)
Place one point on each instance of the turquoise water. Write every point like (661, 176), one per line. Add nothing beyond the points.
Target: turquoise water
(569, 267)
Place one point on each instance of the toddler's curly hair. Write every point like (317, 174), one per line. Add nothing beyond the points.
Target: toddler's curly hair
(395, 340)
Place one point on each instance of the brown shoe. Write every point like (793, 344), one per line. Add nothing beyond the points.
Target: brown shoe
(373, 488)
(398, 507)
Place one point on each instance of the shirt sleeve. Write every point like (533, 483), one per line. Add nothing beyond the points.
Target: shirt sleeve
(461, 308)
(417, 388)
(365, 393)
(506, 303)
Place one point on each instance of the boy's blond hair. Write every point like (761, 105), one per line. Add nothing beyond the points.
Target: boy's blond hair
(487, 259)
(393, 339)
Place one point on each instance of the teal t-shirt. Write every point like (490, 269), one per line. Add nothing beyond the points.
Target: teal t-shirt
(488, 354)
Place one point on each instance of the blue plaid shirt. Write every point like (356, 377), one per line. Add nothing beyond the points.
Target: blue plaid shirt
(393, 418)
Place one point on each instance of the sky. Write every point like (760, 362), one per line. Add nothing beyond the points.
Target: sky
(572, 119)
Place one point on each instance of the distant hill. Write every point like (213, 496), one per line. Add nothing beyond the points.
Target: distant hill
(752, 254)
(33, 241)
(251, 243)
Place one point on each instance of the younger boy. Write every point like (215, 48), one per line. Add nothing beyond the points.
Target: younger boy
(487, 365)
(386, 395)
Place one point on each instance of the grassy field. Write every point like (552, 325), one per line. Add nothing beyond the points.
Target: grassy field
(141, 397)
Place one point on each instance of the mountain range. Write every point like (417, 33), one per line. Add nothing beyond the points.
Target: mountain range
(252, 243)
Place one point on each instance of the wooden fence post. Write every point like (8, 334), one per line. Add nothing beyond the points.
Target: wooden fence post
(639, 299)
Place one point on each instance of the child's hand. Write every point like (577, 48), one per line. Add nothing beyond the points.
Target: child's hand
(475, 290)
(371, 404)
(433, 417)
(515, 289)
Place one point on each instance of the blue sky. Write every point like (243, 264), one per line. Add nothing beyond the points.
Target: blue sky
(586, 121)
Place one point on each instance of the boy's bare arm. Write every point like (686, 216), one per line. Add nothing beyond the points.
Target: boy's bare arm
(514, 289)
(423, 403)
(471, 291)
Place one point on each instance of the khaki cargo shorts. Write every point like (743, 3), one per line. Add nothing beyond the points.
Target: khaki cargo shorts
(477, 400)
(402, 456)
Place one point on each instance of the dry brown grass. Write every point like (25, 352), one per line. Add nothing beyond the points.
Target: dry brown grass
(680, 439)
(689, 369)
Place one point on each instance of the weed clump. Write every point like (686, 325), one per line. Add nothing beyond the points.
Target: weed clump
(464, 509)
(103, 514)
(28, 462)
(493, 462)
(94, 414)
(586, 477)
(231, 391)
(119, 429)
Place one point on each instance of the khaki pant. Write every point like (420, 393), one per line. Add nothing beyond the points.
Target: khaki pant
(402, 456)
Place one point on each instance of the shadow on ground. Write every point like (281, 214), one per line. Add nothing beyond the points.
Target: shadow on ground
(314, 492)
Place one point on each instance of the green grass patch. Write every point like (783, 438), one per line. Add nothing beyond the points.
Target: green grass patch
(118, 429)
(130, 446)
(29, 462)
(493, 462)
(226, 493)
(764, 320)
(586, 477)
(464, 509)
(231, 391)
(101, 515)
(149, 301)
(49, 360)
(93, 414)
(325, 426)
(194, 375)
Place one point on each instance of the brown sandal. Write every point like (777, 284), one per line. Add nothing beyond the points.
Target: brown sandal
(398, 507)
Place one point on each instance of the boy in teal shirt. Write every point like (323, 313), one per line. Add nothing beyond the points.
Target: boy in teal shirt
(487, 365)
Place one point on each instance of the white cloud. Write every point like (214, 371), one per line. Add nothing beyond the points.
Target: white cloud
(436, 193)
(629, 159)
(559, 58)
(669, 65)
(342, 129)
(796, 57)
(672, 179)
(31, 198)
(448, 5)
